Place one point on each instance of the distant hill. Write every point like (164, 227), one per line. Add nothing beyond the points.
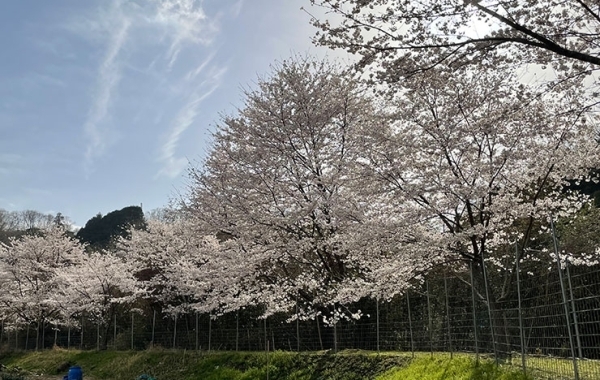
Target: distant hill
(100, 231)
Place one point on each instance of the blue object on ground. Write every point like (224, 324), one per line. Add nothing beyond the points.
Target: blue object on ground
(145, 377)
(75, 373)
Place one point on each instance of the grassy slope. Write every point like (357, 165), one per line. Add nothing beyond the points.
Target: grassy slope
(459, 368)
(180, 365)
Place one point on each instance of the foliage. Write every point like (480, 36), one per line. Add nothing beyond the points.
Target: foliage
(100, 232)
(96, 285)
(541, 51)
(398, 38)
(175, 265)
(469, 156)
(15, 224)
(580, 236)
(279, 181)
(324, 198)
(49, 279)
(30, 280)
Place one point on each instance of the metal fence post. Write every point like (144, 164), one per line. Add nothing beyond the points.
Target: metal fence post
(410, 330)
(574, 311)
(564, 297)
(489, 305)
(319, 332)
(81, 343)
(198, 335)
(175, 332)
(115, 331)
(297, 327)
(132, 326)
(43, 335)
(335, 346)
(272, 339)
(237, 330)
(473, 300)
(69, 333)
(521, 331)
(153, 326)
(448, 317)
(377, 311)
(98, 336)
(209, 331)
(267, 353)
(430, 324)
(266, 336)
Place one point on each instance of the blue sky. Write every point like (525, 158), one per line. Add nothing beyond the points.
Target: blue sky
(103, 102)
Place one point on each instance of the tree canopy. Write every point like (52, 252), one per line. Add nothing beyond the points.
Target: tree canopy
(329, 197)
(281, 179)
(100, 232)
(407, 37)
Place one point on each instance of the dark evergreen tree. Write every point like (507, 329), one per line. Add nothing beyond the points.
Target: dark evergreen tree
(100, 231)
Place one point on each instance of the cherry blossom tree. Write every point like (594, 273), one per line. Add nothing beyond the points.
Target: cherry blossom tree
(279, 186)
(31, 268)
(173, 265)
(406, 37)
(95, 287)
(203, 275)
(480, 161)
(470, 155)
(456, 71)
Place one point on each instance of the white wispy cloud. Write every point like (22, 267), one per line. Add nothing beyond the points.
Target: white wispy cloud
(194, 73)
(179, 22)
(187, 22)
(108, 78)
(236, 9)
(127, 28)
(172, 164)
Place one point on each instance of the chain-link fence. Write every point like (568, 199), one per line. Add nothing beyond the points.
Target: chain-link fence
(537, 317)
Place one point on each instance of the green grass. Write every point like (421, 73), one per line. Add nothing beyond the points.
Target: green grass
(553, 368)
(182, 365)
(461, 367)
(347, 365)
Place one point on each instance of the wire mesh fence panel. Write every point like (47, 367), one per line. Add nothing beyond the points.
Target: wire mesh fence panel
(586, 299)
(540, 319)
